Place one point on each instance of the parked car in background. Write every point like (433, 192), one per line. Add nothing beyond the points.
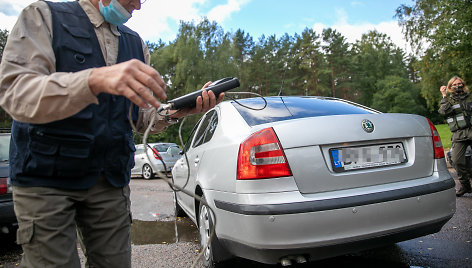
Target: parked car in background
(162, 156)
(8, 221)
(308, 178)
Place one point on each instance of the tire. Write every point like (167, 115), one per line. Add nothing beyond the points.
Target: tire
(179, 212)
(147, 172)
(214, 252)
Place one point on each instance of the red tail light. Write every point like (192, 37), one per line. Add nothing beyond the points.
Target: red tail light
(3, 185)
(156, 154)
(261, 156)
(437, 145)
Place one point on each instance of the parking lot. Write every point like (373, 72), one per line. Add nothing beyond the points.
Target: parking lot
(161, 240)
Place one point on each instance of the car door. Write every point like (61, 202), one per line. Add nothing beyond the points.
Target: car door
(138, 160)
(172, 155)
(194, 154)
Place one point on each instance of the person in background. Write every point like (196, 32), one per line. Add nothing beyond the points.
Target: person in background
(457, 108)
(69, 74)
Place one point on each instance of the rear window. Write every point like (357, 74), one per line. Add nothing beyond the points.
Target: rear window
(163, 147)
(286, 108)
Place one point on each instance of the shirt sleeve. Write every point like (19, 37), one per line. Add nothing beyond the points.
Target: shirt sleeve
(445, 106)
(31, 90)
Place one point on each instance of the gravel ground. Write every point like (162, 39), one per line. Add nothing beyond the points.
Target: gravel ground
(170, 255)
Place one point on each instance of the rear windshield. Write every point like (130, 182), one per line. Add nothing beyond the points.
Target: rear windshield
(163, 147)
(285, 108)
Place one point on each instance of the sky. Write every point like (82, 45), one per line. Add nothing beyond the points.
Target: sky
(159, 19)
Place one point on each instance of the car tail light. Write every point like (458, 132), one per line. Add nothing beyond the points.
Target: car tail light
(261, 156)
(156, 154)
(437, 145)
(4, 186)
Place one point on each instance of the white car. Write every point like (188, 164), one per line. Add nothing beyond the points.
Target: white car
(162, 156)
(308, 178)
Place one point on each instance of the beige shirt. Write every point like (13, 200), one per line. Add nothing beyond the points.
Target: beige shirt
(30, 88)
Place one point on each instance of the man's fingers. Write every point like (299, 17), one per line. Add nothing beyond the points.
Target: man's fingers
(220, 98)
(211, 99)
(205, 101)
(151, 79)
(207, 84)
(141, 95)
(198, 106)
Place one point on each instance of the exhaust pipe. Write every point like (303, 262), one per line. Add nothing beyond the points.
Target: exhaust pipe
(300, 259)
(287, 261)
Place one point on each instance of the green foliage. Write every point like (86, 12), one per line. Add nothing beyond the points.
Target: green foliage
(441, 31)
(338, 58)
(445, 134)
(397, 95)
(3, 41)
(375, 57)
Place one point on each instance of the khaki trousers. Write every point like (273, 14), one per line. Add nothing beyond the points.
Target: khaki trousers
(49, 220)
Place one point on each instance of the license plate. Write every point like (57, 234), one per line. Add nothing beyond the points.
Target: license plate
(352, 158)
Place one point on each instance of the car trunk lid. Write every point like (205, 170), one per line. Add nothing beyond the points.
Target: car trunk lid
(313, 151)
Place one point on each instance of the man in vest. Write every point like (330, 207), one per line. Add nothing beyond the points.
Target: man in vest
(457, 108)
(69, 74)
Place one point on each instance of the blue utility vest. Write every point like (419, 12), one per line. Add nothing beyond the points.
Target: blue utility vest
(72, 153)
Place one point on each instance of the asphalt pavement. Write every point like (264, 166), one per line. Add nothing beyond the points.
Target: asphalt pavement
(159, 239)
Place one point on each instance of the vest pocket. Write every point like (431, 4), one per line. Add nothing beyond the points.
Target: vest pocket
(451, 121)
(461, 121)
(72, 161)
(40, 161)
(53, 155)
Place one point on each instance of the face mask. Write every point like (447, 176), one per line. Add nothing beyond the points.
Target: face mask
(114, 13)
(458, 89)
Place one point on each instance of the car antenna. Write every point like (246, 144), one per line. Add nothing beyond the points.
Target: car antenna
(282, 86)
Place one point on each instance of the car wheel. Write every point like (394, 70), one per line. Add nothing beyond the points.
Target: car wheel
(147, 172)
(214, 252)
(205, 225)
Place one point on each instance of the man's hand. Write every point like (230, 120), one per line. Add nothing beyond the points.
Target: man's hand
(443, 91)
(203, 103)
(132, 79)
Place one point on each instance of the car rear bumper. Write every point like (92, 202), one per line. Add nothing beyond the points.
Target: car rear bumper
(266, 232)
(7, 214)
(272, 256)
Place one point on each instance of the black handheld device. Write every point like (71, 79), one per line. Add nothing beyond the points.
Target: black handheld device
(188, 101)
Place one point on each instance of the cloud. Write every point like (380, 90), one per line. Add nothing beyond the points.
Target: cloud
(7, 9)
(153, 21)
(357, 3)
(222, 12)
(354, 32)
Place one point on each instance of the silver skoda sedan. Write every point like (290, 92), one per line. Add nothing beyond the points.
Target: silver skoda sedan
(159, 154)
(307, 178)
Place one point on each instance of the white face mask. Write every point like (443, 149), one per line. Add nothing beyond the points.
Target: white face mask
(114, 13)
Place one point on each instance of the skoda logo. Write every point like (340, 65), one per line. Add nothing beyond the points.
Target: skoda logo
(367, 125)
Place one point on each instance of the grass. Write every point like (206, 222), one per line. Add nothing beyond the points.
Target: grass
(445, 135)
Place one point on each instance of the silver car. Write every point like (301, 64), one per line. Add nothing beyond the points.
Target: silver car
(308, 178)
(167, 152)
